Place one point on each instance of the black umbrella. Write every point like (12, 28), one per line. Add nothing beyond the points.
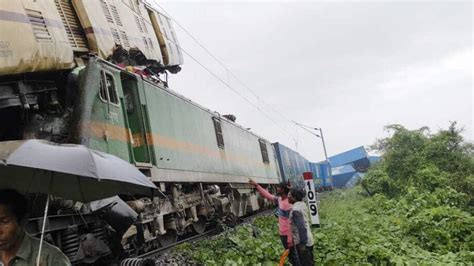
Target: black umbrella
(69, 171)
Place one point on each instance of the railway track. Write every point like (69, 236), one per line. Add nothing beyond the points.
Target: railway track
(150, 257)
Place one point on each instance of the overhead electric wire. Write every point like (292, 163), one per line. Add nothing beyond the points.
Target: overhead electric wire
(305, 128)
(232, 89)
(218, 77)
(221, 63)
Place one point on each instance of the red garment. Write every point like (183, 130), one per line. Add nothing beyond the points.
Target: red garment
(284, 208)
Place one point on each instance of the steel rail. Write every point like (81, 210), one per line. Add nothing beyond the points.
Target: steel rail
(212, 231)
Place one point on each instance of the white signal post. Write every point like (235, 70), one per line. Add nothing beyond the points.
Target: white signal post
(312, 198)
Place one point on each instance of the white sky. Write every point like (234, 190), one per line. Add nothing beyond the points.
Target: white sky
(348, 67)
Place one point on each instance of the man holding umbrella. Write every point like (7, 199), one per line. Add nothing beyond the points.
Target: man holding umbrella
(68, 171)
(17, 247)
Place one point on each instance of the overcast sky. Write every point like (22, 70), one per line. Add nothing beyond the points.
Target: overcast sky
(348, 67)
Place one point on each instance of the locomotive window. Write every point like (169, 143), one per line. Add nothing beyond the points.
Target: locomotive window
(218, 129)
(263, 149)
(108, 92)
(102, 91)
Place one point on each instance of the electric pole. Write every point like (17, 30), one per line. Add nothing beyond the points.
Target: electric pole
(321, 136)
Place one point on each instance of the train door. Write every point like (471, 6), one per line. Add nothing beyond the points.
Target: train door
(136, 120)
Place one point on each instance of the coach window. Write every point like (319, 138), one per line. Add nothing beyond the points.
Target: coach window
(263, 149)
(108, 92)
(218, 129)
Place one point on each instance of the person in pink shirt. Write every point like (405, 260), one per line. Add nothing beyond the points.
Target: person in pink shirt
(284, 208)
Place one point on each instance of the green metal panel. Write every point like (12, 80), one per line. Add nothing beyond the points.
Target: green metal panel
(134, 116)
(184, 139)
(104, 124)
(179, 135)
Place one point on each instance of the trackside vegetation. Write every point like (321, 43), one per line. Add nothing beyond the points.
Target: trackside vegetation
(415, 207)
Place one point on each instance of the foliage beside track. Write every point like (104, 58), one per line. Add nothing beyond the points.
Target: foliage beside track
(415, 206)
(247, 244)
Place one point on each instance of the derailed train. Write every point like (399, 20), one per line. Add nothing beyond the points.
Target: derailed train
(91, 73)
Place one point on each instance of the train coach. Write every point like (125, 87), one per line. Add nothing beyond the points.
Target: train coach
(292, 165)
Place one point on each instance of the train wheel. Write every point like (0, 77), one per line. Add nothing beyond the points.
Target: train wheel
(200, 226)
(168, 239)
(231, 220)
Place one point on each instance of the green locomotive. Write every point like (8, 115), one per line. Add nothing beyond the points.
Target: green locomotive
(57, 84)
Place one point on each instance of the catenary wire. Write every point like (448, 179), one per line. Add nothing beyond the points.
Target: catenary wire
(222, 64)
(229, 72)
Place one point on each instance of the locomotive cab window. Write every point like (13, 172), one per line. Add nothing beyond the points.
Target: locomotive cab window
(218, 129)
(108, 91)
(263, 149)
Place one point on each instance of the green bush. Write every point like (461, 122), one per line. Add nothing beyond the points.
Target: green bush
(248, 244)
(413, 208)
(442, 229)
(416, 158)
